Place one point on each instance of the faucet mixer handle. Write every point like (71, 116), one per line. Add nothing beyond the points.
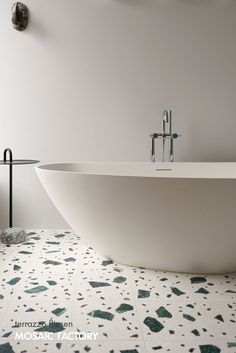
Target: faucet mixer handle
(163, 136)
(155, 135)
(175, 135)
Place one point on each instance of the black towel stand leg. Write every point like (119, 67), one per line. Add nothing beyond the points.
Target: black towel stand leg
(10, 183)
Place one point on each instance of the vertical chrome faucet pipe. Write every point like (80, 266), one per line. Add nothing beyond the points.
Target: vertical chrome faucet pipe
(165, 120)
(153, 152)
(171, 142)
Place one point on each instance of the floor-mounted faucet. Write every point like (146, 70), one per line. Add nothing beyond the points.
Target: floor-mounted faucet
(165, 134)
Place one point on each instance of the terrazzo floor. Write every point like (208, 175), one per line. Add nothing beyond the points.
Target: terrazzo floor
(56, 286)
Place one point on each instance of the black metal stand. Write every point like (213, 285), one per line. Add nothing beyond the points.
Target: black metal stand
(12, 162)
(10, 182)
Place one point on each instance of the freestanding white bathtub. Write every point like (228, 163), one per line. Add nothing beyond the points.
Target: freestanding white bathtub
(169, 216)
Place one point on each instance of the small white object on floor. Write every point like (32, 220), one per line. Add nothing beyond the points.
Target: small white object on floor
(13, 236)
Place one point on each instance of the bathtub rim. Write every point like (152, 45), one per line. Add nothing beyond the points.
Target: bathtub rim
(159, 170)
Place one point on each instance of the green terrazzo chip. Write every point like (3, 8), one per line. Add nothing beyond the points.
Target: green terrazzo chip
(202, 291)
(59, 311)
(51, 262)
(107, 262)
(70, 259)
(6, 348)
(231, 344)
(94, 284)
(188, 317)
(60, 235)
(219, 317)
(14, 281)
(120, 279)
(163, 312)
(25, 252)
(16, 268)
(37, 289)
(54, 328)
(195, 332)
(101, 315)
(177, 291)
(143, 293)
(197, 279)
(58, 345)
(52, 251)
(153, 324)
(209, 348)
(123, 308)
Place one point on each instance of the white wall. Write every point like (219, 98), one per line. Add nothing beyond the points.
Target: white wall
(89, 79)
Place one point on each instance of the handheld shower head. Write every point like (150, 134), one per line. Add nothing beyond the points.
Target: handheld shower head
(165, 116)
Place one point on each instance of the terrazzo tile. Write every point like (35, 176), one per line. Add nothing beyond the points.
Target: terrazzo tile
(57, 275)
(102, 316)
(35, 347)
(107, 347)
(196, 319)
(183, 286)
(189, 346)
(92, 264)
(28, 316)
(99, 287)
